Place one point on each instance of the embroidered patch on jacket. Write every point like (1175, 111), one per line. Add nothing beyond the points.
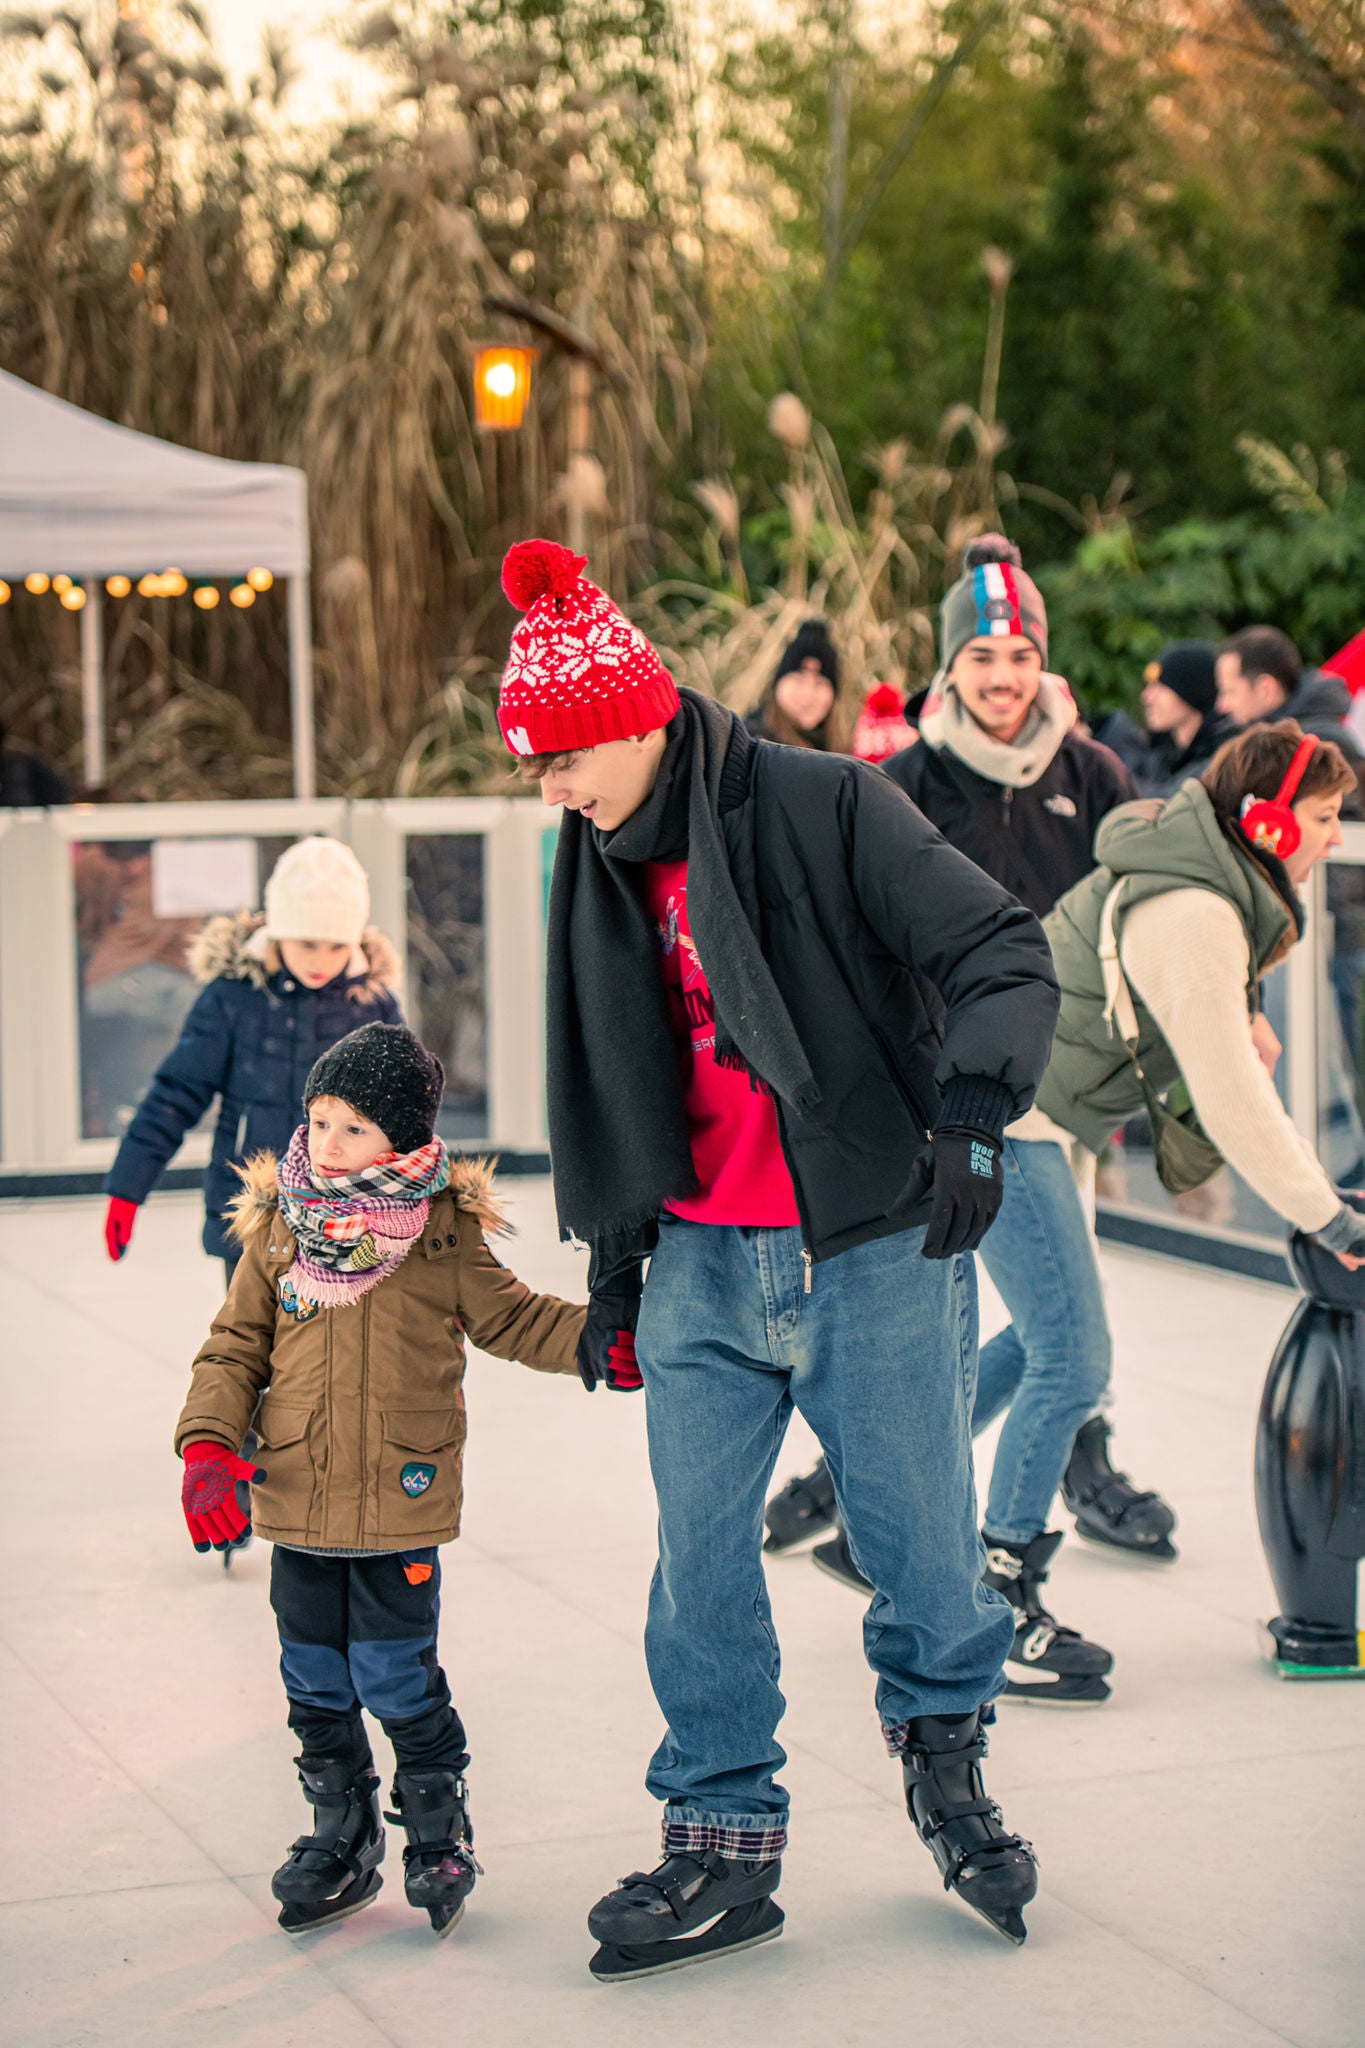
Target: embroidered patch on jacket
(1060, 806)
(415, 1479)
(983, 1159)
(302, 1311)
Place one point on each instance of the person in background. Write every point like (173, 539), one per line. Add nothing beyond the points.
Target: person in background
(278, 990)
(882, 728)
(1010, 782)
(27, 781)
(800, 707)
(1179, 705)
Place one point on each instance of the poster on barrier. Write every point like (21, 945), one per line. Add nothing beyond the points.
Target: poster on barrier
(196, 877)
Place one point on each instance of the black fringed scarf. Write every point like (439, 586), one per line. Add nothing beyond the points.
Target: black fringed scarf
(618, 1122)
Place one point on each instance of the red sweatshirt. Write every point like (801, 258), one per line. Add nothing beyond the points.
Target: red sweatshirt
(731, 1119)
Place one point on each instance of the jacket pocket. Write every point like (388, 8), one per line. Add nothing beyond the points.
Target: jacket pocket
(284, 1498)
(900, 1082)
(419, 1469)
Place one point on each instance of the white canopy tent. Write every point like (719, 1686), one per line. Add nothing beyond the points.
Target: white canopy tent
(82, 495)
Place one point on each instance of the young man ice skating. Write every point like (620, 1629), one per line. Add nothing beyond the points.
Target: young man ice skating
(786, 1027)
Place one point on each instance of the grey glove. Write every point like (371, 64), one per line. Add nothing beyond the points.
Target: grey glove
(1345, 1232)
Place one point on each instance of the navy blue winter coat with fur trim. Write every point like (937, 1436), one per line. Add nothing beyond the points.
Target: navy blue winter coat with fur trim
(251, 1037)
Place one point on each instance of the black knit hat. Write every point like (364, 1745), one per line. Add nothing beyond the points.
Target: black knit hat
(1187, 667)
(812, 643)
(389, 1076)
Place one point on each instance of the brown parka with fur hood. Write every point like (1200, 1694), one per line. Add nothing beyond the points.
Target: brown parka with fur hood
(362, 1416)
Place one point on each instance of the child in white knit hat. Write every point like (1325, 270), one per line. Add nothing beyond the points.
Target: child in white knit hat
(278, 991)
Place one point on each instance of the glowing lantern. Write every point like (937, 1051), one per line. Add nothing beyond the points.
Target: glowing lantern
(259, 579)
(73, 598)
(205, 596)
(37, 583)
(117, 586)
(502, 385)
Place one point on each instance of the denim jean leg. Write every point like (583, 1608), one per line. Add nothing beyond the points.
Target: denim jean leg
(1041, 1255)
(718, 1408)
(998, 1375)
(884, 1372)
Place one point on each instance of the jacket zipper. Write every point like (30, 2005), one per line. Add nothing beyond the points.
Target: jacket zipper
(1007, 808)
(364, 1415)
(900, 1084)
(806, 1252)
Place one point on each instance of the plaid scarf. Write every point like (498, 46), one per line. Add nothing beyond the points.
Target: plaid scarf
(353, 1230)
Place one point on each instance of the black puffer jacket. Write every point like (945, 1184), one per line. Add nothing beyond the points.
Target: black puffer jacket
(1036, 842)
(1165, 765)
(921, 992)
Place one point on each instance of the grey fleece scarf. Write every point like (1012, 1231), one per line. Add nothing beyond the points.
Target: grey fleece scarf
(618, 1124)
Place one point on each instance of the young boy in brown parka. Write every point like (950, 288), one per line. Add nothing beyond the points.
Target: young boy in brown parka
(364, 1267)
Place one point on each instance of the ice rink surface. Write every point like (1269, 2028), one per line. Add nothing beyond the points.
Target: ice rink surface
(1200, 1836)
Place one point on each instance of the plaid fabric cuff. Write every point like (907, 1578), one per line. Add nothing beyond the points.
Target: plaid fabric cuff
(755, 1845)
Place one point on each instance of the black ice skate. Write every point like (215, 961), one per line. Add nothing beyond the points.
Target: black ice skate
(694, 1906)
(439, 1864)
(333, 1871)
(1108, 1508)
(836, 1559)
(1048, 1665)
(992, 1871)
(803, 1510)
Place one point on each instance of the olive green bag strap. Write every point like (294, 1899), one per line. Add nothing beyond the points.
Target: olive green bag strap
(1185, 1155)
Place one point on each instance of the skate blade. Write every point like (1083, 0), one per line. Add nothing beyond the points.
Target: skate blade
(446, 1926)
(763, 1921)
(301, 1920)
(1087, 1692)
(1163, 1552)
(1010, 1926)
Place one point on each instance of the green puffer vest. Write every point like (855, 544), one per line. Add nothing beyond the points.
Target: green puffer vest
(1091, 1085)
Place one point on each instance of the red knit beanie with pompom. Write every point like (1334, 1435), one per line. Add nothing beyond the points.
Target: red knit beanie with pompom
(579, 673)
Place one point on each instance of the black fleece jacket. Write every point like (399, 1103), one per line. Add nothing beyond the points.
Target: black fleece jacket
(923, 994)
(1037, 842)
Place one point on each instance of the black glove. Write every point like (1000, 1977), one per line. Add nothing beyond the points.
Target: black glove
(606, 1349)
(962, 1172)
(1345, 1233)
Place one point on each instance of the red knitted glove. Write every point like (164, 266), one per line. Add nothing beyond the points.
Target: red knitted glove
(623, 1371)
(119, 1219)
(214, 1520)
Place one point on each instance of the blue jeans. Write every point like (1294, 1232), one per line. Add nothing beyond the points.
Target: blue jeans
(1050, 1368)
(879, 1357)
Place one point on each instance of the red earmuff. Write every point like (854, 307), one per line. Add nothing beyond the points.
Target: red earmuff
(1272, 827)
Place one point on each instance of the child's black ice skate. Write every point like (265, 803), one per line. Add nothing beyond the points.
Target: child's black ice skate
(803, 1510)
(439, 1864)
(835, 1559)
(1109, 1509)
(333, 1871)
(694, 1906)
(1048, 1665)
(991, 1870)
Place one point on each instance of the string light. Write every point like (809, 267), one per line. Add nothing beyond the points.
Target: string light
(73, 598)
(174, 583)
(259, 579)
(149, 585)
(61, 584)
(37, 584)
(4, 591)
(205, 596)
(242, 594)
(117, 586)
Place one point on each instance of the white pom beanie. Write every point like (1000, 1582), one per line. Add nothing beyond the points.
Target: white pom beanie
(318, 890)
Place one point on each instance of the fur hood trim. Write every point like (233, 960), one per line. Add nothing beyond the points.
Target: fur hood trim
(223, 951)
(470, 1181)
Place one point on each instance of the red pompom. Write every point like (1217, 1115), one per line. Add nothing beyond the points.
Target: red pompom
(885, 701)
(539, 568)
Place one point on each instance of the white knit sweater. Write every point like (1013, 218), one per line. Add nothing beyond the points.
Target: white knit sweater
(1185, 954)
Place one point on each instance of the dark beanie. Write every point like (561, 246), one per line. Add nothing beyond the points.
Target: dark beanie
(389, 1076)
(812, 642)
(1187, 667)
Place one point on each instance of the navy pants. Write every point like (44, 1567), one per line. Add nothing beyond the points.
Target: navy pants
(361, 1632)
